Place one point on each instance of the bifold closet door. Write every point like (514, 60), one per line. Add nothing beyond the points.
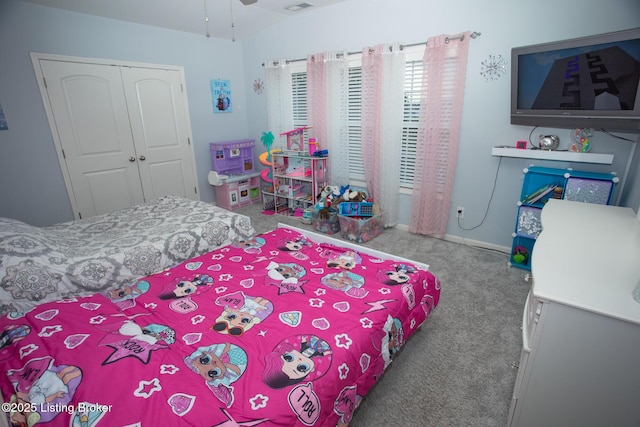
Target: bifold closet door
(89, 108)
(123, 131)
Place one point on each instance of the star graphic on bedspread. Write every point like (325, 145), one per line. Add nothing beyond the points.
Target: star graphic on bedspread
(258, 401)
(128, 347)
(147, 388)
(230, 422)
(286, 286)
(129, 340)
(47, 331)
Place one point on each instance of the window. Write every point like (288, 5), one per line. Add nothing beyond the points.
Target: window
(412, 93)
(411, 116)
(356, 169)
(299, 91)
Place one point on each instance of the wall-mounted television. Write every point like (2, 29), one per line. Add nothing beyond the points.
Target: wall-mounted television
(588, 82)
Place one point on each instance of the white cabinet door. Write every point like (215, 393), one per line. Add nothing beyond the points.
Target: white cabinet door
(123, 132)
(92, 123)
(160, 127)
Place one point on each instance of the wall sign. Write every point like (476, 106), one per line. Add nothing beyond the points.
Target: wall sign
(221, 96)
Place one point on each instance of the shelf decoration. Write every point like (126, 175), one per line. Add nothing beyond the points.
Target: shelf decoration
(492, 68)
(581, 140)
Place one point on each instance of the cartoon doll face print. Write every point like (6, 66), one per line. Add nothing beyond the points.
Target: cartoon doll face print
(209, 366)
(285, 271)
(347, 282)
(396, 274)
(340, 281)
(127, 292)
(297, 358)
(120, 293)
(241, 312)
(251, 246)
(218, 363)
(234, 322)
(346, 260)
(296, 365)
(185, 287)
(293, 244)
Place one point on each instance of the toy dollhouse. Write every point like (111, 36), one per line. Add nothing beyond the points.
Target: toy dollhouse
(238, 182)
(297, 176)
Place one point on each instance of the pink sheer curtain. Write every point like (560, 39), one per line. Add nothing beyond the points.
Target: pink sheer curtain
(383, 68)
(327, 109)
(279, 96)
(445, 65)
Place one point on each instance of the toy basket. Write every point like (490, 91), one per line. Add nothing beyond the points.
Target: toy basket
(356, 208)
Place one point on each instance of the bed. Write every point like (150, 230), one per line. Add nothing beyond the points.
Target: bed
(288, 328)
(82, 257)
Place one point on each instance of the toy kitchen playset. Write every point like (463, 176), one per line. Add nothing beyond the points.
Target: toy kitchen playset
(234, 177)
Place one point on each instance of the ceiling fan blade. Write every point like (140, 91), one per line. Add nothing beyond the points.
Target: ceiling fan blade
(248, 2)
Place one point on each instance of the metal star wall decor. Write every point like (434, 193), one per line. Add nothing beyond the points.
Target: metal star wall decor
(258, 86)
(492, 68)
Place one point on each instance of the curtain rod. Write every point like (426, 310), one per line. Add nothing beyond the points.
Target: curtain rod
(473, 35)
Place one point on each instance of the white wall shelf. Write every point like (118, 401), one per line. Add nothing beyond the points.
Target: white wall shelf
(562, 156)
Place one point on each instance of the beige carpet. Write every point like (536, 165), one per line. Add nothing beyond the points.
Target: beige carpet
(458, 370)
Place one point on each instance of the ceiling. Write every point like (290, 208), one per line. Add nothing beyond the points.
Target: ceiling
(190, 15)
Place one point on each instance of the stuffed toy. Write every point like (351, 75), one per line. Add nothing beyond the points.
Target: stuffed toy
(354, 196)
(329, 198)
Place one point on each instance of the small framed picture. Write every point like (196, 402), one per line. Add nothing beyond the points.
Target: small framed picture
(221, 95)
(522, 144)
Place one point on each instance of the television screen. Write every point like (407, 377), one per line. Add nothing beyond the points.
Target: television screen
(589, 82)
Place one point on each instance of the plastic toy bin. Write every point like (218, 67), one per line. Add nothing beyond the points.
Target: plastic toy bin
(330, 225)
(361, 230)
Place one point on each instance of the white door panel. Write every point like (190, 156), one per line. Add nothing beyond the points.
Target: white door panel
(159, 124)
(162, 175)
(109, 185)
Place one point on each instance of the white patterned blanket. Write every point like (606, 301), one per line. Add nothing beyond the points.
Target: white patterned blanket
(82, 257)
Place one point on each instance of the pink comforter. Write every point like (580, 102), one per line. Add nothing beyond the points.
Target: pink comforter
(277, 330)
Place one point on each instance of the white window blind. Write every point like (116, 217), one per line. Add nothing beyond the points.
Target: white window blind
(299, 91)
(412, 90)
(356, 169)
(412, 93)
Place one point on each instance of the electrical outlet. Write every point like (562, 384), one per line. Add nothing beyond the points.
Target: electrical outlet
(460, 212)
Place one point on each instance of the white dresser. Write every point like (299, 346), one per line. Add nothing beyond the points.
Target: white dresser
(580, 362)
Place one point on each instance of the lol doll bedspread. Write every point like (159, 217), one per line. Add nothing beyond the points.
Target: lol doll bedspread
(276, 330)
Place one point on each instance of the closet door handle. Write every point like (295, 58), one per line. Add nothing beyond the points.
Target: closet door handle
(143, 158)
(132, 159)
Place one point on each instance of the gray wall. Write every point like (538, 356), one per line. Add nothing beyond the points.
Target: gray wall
(32, 187)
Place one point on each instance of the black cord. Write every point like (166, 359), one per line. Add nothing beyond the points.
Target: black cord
(486, 212)
(616, 136)
(533, 147)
